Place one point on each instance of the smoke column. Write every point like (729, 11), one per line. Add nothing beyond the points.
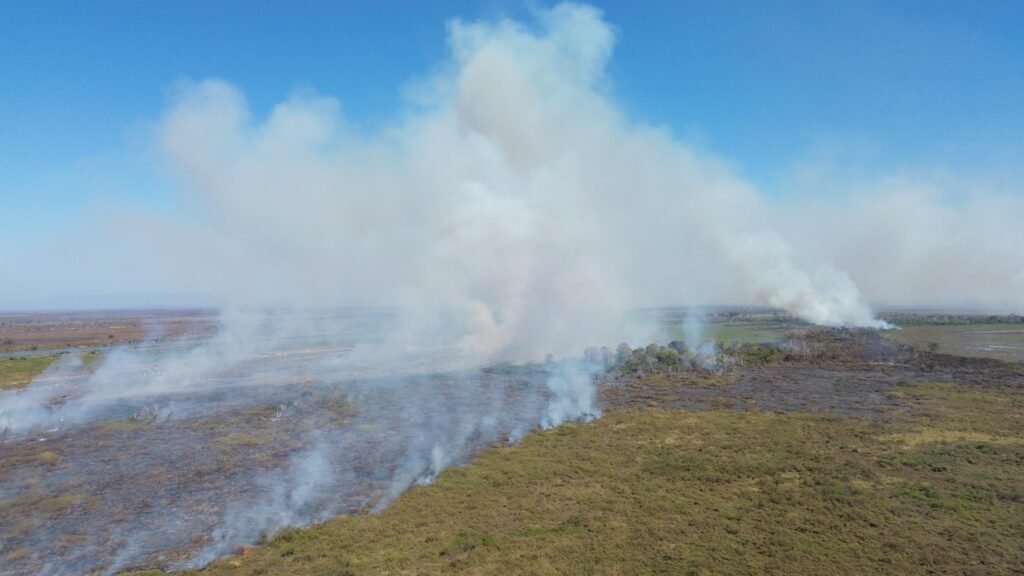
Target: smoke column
(511, 210)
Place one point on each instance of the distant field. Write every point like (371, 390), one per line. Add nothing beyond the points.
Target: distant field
(57, 330)
(713, 492)
(740, 332)
(999, 341)
(748, 333)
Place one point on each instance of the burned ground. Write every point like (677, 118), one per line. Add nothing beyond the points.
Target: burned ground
(143, 487)
(839, 372)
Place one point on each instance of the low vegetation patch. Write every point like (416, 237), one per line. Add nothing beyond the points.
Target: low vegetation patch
(712, 492)
(18, 371)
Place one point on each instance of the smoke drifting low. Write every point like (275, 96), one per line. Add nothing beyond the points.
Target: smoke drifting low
(282, 418)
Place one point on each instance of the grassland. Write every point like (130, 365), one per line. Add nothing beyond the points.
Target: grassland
(748, 332)
(739, 332)
(18, 372)
(706, 492)
(999, 341)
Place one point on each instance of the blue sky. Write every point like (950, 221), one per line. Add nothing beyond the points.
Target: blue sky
(763, 83)
(871, 86)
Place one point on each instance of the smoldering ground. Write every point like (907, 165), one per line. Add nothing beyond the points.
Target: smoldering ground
(259, 436)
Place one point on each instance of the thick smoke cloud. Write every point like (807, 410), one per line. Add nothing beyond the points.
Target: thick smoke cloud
(921, 240)
(513, 210)
(512, 195)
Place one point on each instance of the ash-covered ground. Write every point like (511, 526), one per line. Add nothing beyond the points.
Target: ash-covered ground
(173, 455)
(141, 489)
(173, 468)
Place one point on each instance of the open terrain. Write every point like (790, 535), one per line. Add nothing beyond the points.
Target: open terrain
(35, 331)
(1001, 341)
(788, 449)
(859, 455)
(656, 490)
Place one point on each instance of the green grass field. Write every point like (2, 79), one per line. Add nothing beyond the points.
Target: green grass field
(18, 372)
(715, 492)
(747, 332)
(999, 341)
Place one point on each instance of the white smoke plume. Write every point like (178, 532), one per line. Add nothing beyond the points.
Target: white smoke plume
(513, 209)
(921, 240)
